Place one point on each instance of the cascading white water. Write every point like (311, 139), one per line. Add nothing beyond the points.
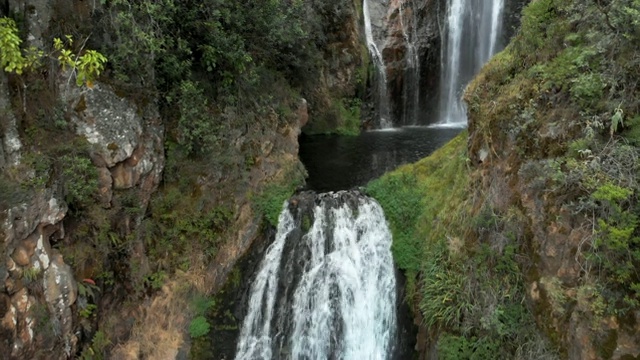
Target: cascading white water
(255, 338)
(328, 293)
(382, 100)
(411, 91)
(473, 33)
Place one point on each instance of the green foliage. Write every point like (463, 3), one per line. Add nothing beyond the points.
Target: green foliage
(451, 347)
(445, 297)
(617, 244)
(202, 304)
(271, 200)
(80, 179)
(156, 280)
(98, 347)
(565, 88)
(470, 292)
(11, 59)
(587, 89)
(199, 327)
(179, 226)
(535, 19)
(616, 120)
(197, 128)
(425, 201)
(401, 199)
(87, 290)
(31, 274)
(87, 311)
(221, 37)
(87, 66)
(349, 111)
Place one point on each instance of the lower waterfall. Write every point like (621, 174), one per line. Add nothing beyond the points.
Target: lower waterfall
(326, 288)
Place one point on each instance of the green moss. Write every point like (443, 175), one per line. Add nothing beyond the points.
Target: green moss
(425, 201)
(272, 197)
(349, 116)
(471, 290)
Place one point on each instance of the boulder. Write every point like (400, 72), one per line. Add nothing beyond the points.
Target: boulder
(107, 121)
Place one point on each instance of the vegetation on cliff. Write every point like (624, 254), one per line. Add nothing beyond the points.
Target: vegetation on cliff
(465, 286)
(536, 216)
(566, 93)
(217, 87)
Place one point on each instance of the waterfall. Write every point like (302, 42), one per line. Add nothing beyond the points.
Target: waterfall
(472, 36)
(383, 112)
(326, 286)
(411, 90)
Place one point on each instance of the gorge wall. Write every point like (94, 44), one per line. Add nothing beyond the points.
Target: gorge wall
(110, 225)
(522, 252)
(125, 205)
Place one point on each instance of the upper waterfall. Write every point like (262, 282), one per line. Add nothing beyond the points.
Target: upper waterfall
(326, 286)
(382, 111)
(473, 30)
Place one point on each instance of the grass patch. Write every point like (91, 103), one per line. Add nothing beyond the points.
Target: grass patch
(468, 291)
(270, 200)
(425, 201)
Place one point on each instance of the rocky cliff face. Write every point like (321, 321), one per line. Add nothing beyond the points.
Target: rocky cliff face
(79, 167)
(126, 153)
(544, 149)
(411, 53)
(335, 92)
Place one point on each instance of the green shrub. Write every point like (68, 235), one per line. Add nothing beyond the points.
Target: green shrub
(349, 111)
(202, 304)
(179, 225)
(587, 89)
(197, 127)
(270, 201)
(97, 350)
(11, 59)
(617, 244)
(199, 327)
(80, 179)
(451, 347)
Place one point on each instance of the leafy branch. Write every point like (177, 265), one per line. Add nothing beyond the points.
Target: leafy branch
(87, 66)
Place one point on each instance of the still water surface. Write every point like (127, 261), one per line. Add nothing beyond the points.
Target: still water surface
(342, 162)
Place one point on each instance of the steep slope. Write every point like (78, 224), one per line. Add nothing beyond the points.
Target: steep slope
(535, 217)
(125, 203)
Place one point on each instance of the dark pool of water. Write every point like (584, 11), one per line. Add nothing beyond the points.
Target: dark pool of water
(342, 162)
